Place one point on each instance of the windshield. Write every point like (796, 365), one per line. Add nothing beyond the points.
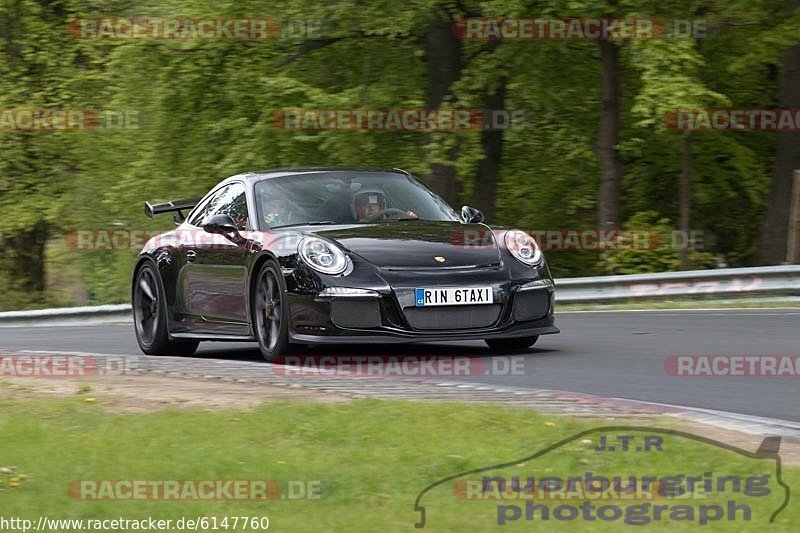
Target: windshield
(347, 198)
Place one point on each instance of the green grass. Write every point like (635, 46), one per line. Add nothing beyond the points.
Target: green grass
(373, 458)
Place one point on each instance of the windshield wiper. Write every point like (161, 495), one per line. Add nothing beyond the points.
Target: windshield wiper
(310, 223)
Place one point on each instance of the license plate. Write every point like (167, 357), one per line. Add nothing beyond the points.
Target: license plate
(451, 296)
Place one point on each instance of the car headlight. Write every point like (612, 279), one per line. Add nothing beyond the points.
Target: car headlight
(523, 247)
(322, 255)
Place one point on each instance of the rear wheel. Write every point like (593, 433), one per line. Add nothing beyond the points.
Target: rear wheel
(271, 313)
(150, 317)
(519, 343)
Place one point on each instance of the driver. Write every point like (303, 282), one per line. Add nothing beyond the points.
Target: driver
(276, 212)
(368, 203)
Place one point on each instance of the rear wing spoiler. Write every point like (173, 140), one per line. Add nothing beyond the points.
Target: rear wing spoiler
(175, 206)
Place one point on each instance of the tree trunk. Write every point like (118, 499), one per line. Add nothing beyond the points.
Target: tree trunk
(608, 205)
(774, 232)
(25, 253)
(793, 241)
(488, 171)
(443, 61)
(685, 200)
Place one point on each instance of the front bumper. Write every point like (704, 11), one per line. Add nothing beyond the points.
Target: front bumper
(389, 316)
(386, 337)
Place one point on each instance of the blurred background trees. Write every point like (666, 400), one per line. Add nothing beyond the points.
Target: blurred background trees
(592, 150)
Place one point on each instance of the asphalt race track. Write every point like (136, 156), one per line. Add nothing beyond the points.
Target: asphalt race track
(612, 354)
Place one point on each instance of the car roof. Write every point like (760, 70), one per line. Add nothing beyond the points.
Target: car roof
(283, 172)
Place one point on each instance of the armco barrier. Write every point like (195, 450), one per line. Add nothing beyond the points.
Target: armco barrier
(68, 316)
(719, 283)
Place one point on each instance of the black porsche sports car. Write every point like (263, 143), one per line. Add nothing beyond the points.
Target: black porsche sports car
(296, 257)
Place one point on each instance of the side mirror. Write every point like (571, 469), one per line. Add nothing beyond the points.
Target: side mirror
(220, 224)
(470, 215)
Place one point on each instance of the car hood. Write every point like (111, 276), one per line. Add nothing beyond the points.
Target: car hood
(416, 244)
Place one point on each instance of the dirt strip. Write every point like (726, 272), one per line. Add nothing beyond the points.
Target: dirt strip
(151, 392)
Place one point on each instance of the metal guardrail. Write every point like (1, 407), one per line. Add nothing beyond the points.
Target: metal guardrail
(68, 316)
(718, 283)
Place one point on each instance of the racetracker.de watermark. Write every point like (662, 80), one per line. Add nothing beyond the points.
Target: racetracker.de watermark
(399, 366)
(741, 120)
(126, 240)
(578, 29)
(192, 29)
(588, 239)
(37, 365)
(29, 119)
(733, 365)
(589, 486)
(420, 120)
(249, 490)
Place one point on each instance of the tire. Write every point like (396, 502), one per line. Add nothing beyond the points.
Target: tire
(271, 313)
(520, 343)
(150, 317)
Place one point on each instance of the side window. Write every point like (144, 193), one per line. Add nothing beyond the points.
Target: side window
(206, 209)
(230, 200)
(234, 204)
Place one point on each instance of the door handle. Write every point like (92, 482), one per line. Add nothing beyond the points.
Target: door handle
(191, 256)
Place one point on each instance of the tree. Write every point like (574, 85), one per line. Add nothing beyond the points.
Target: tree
(774, 231)
(609, 198)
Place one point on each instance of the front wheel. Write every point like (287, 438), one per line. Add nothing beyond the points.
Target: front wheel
(519, 343)
(150, 317)
(271, 313)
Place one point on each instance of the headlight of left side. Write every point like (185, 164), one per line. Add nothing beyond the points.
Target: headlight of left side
(322, 256)
(523, 247)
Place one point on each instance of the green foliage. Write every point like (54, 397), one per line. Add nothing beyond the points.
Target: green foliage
(661, 252)
(206, 111)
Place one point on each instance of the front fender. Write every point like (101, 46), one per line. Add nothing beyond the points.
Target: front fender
(165, 261)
